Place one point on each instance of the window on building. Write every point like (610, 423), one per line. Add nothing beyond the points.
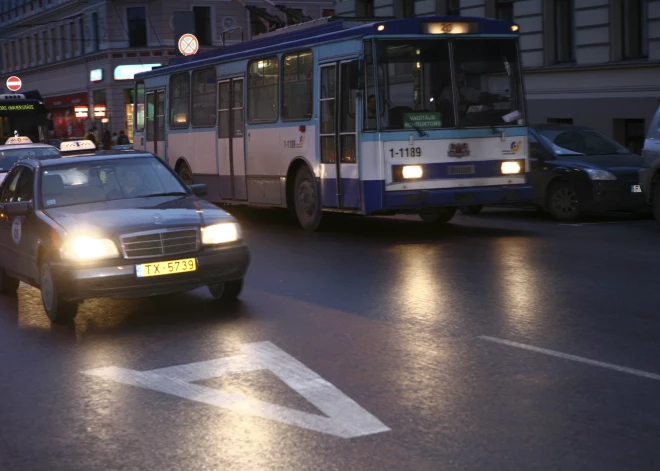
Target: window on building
(139, 107)
(630, 133)
(454, 7)
(7, 57)
(326, 12)
(74, 39)
(560, 120)
(297, 86)
(504, 10)
(404, 8)
(53, 44)
(30, 55)
(95, 31)
(203, 98)
(564, 31)
(37, 47)
(203, 26)
(179, 101)
(137, 26)
(81, 28)
(63, 51)
(16, 62)
(364, 8)
(263, 82)
(633, 19)
(257, 27)
(43, 44)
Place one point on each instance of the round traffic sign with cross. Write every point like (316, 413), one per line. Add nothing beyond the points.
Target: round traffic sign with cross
(188, 44)
(14, 83)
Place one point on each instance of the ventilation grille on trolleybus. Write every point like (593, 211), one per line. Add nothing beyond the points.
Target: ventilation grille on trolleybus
(158, 243)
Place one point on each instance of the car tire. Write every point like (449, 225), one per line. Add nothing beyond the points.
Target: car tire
(57, 310)
(8, 284)
(306, 200)
(227, 291)
(443, 216)
(471, 210)
(563, 202)
(655, 202)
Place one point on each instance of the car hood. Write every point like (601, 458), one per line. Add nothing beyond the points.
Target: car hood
(113, 218)
(618, 164)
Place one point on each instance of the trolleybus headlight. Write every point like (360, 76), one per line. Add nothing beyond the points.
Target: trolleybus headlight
(412, 171)
(512, 167)
(220, 233)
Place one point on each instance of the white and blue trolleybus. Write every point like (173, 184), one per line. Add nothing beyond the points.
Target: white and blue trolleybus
(413, 116)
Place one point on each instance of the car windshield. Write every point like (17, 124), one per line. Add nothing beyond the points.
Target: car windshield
(416, 90)
(580, 142)
(106, 180)
(10, 156)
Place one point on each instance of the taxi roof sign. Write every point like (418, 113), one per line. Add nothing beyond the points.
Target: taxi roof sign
(72, 146)
(18, 140)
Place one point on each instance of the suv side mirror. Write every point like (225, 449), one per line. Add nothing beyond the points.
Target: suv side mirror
(17, 208)
(199, 189)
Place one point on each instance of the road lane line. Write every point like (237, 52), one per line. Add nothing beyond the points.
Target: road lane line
(566, 356)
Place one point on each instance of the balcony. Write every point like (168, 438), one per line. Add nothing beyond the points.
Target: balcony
(28, 9)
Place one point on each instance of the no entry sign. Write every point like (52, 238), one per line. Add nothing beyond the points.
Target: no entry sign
(188, 44)
(14, 83)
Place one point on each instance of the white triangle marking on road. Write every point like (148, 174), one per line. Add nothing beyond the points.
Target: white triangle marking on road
(345, 418)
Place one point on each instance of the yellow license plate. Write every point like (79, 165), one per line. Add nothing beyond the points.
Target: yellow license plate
(166, 268)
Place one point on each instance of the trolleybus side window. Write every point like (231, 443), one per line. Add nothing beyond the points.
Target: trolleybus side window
(179, 101)
(328, 113)
(263, 90)
(203, 98)
(139, 107)
(297, 86)
(348, 112)
(370, 101)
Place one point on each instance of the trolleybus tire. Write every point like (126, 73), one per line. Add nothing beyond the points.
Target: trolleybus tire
(227, 291)
(185, 174)
(474, 209)
(443, 216)
(306, 200)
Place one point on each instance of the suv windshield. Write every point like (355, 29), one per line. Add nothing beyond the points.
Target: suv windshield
(416, 90)
(107, 180)
(580, 142)
(10, 156)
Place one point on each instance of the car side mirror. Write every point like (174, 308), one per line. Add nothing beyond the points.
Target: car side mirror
(17, 208)
(199, 189)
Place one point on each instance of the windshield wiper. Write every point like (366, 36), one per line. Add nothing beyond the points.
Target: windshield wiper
(171, 193)
(421, 132)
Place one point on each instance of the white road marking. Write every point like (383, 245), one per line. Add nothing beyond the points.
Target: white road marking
(345, 418)
(565, 356)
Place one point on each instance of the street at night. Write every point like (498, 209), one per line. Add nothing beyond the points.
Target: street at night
(501, 341)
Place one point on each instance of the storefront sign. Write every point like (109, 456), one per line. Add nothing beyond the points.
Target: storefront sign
(81, 111)
(66, 101)
(96, 75)
(99, 111)
(27, 107)
(127, 72)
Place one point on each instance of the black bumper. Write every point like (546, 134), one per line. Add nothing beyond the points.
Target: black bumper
(613, 196)
(120, 280)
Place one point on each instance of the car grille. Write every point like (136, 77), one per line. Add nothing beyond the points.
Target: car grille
(160, 243)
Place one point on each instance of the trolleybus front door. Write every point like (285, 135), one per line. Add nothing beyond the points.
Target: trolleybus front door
(155, 139)
(340, 179)
(231, 140)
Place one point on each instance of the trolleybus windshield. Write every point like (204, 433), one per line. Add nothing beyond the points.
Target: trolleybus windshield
(416, 89)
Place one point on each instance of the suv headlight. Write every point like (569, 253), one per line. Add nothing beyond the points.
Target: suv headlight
(599, 174)
(89, 248)
(220, 233)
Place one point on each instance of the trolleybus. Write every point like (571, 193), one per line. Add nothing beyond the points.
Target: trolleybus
(415, 116)
(23, 114)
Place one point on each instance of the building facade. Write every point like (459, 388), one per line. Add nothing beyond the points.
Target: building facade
(82, 57)
(589, 62)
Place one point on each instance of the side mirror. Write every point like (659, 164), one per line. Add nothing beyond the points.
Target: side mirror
(199, 189)
(17, 208)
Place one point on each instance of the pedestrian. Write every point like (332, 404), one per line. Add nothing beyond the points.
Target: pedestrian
(114, 138)
(91, 136)
(107, 140)
(122, 139)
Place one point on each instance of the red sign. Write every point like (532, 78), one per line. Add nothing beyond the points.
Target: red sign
(188, 44)
(66, 100)
(14, 83)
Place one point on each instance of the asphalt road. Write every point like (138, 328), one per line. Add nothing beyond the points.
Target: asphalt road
(502, 342)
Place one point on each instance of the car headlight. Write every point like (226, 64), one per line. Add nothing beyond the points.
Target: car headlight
(599, 174)
(89, 248)
(220, 233)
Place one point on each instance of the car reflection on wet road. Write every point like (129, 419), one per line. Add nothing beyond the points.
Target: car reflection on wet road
(503, 341)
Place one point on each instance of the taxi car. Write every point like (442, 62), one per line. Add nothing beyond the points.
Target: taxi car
(21, 147)
(113, 225)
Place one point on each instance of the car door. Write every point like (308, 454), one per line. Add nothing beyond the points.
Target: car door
(8, 233)
(25, 228)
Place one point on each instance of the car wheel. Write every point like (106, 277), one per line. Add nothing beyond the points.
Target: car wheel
(185, 174)
(563, 202)
(655, 202)
(227, 291)
(443, 216)
(8, 284)
(474, 209)
(306, 200)
(57, 310)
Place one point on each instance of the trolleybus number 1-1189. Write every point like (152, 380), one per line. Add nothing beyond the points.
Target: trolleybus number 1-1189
(407, 152)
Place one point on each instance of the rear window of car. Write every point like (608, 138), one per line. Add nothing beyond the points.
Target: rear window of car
(9, 157)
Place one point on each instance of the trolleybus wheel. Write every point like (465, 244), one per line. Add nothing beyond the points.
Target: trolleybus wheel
(185, 174)
(306, 200)
(473, 209)
(443, 216)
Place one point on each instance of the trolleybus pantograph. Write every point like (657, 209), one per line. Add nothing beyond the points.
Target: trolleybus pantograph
(413, 116)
